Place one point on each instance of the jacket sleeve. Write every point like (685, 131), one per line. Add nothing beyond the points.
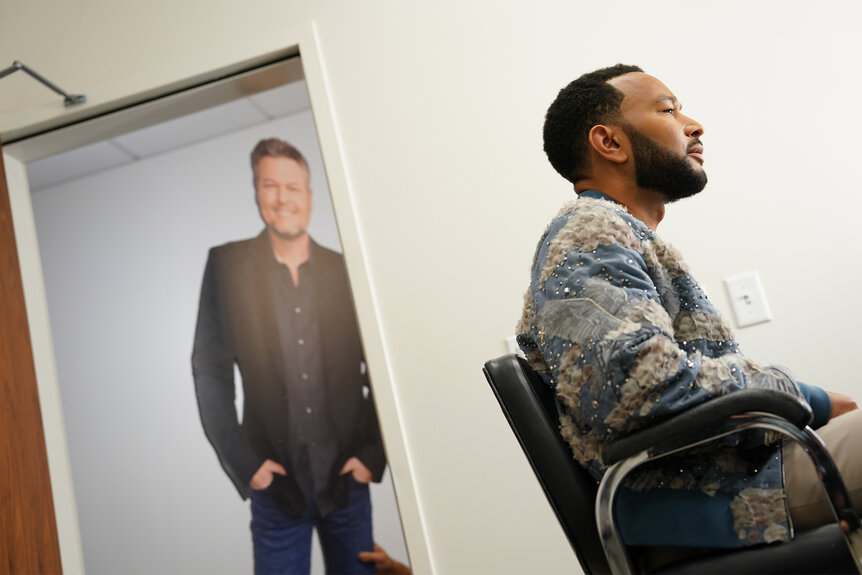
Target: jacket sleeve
(820, 402)
(629, 343)
(213, 371)
(371, 452)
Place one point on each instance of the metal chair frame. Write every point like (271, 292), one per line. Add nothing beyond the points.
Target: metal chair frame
(618, 556)
(717, 418)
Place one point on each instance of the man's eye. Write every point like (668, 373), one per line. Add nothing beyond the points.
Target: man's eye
(669, 111)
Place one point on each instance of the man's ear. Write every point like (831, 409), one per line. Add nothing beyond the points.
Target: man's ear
(608, 142)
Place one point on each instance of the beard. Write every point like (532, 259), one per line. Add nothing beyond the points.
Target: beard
(662, 171)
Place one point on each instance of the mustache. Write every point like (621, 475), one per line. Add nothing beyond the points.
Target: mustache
(694, 144)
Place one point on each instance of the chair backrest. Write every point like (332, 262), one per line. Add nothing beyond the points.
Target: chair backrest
(529, 405)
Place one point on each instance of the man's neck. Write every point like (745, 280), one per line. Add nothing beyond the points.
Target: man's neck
(645, 205)
(292, 252)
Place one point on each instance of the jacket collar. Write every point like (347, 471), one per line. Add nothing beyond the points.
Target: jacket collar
(597, 195)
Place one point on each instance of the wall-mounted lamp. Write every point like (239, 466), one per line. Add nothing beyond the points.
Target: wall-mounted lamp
(68, 99)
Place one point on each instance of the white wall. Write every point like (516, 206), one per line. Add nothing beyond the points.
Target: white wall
(123, 253)
(437, 110)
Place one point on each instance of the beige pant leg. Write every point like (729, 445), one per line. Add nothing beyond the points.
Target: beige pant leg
(806, 497)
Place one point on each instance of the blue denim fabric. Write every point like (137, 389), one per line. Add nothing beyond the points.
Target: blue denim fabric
(282, 544)
(819, 401)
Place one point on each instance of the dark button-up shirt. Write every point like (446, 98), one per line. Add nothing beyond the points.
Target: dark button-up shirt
(311, 443)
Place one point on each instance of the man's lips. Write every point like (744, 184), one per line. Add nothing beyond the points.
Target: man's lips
(696, 152)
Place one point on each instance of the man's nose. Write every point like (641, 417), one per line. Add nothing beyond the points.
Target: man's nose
(283, 195)
(693, 129)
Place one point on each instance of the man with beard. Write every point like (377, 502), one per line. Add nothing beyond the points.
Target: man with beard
(614, 320)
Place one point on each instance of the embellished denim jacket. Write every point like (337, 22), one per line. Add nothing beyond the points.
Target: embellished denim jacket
(616, 323)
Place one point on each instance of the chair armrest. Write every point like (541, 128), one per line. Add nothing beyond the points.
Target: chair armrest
(702, 431)
(703, 419)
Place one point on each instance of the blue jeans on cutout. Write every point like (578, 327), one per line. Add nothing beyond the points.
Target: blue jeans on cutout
(282, 544)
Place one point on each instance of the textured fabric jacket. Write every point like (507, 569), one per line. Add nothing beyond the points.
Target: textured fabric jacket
(237, 326)
(615, 321)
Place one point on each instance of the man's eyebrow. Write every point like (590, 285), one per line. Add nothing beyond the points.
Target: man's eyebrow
(671, 99)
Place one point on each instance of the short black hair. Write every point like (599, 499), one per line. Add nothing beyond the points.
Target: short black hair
(584, 103)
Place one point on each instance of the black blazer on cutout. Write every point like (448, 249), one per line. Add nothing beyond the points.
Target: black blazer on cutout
(237, 326)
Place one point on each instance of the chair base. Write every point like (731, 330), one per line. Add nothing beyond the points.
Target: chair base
(820, 550)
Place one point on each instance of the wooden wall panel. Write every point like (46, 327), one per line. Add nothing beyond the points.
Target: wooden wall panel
(28, 530)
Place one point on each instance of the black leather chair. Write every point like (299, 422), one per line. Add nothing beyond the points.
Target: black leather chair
(583, 507)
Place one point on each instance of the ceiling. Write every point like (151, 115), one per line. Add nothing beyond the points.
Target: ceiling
(160, 138)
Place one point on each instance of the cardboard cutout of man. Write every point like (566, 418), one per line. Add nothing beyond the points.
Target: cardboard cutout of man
(278, 307)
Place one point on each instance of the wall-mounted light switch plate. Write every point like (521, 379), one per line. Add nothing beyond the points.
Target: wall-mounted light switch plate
(747, 298)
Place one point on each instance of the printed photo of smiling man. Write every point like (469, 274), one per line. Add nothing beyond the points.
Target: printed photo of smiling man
(277, 308)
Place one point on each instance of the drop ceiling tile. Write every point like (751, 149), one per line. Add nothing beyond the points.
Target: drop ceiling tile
(74, 164)
(276, 103)
(284, 100)
(191, 129)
